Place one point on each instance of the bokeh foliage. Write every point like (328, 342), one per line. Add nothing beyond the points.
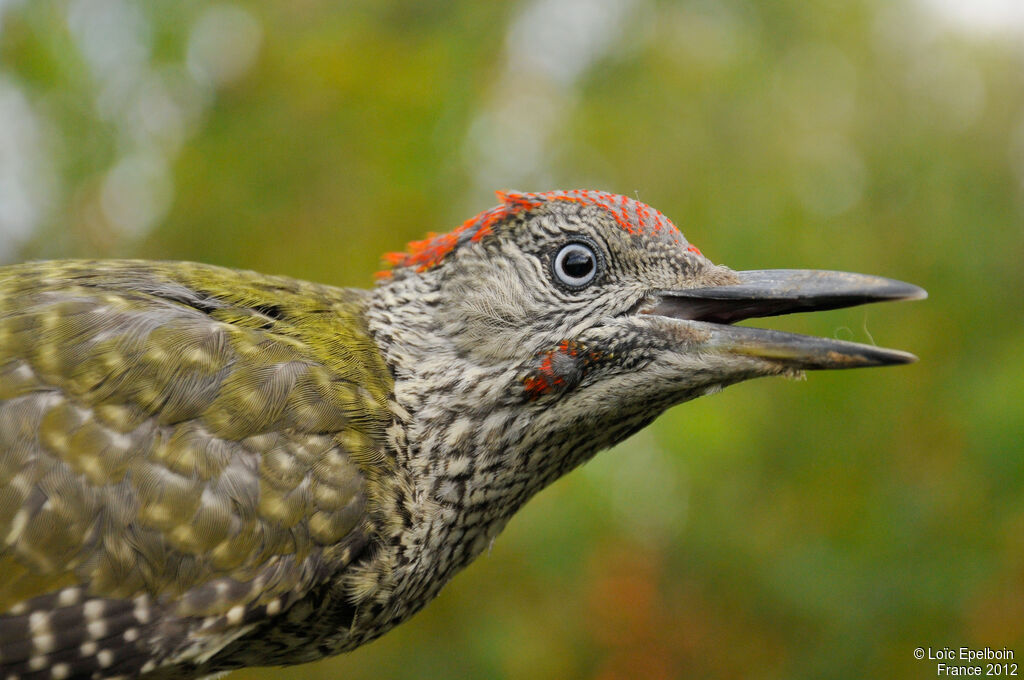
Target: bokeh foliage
(816, 529)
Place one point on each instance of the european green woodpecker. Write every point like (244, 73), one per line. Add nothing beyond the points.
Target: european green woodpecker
(203, 469)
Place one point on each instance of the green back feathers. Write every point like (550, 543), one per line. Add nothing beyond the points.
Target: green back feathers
(176, 427)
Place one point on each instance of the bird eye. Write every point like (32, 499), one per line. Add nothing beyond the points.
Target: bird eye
(575, 265)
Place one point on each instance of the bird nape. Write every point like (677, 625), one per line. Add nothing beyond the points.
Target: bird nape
(203, 469)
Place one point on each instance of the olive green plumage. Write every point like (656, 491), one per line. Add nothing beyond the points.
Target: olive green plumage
(203, 469)
(225, 426)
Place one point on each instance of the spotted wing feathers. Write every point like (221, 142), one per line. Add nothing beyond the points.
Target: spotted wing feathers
(183, 452)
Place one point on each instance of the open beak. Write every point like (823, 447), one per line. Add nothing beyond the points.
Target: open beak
(771, 292)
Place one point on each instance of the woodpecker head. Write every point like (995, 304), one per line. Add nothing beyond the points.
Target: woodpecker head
(591, 311)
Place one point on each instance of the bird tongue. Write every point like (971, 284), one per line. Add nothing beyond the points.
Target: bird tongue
(771, 292)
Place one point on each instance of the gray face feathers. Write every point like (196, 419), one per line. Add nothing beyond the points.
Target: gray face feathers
(203, 469)
(595, 308)
(557, 324)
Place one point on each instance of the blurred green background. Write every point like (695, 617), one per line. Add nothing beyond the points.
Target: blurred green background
(811, 529)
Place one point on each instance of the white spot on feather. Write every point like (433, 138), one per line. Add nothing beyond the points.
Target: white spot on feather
(93, 610)
(68, 597)
(39, 623)
(18, 525)
(105, 658)
(97, 629)
(44, 644)
(141, 611)
(458, 430)
(458, 466)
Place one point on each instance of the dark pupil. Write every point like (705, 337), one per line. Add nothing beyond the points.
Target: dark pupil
(577, 263)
